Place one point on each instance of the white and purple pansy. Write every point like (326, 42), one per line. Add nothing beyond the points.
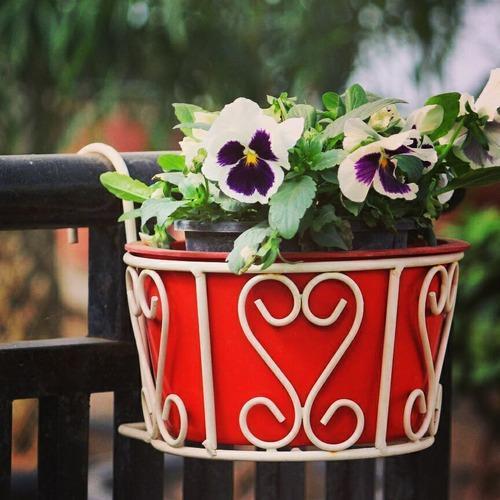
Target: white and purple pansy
(487, 105)
(248, 150)
(375, 165)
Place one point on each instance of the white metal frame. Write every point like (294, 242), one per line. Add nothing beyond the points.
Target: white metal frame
(153, 430)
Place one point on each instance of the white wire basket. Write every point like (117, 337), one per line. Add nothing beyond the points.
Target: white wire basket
(414, 293)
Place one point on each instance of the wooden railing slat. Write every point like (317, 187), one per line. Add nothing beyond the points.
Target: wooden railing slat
(63, 437)
(137, 466)
(424, 475)
(350, 480)
(5, 446)
(281, 481)
(207, 480)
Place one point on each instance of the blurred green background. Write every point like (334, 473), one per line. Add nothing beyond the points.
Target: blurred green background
(74, 71)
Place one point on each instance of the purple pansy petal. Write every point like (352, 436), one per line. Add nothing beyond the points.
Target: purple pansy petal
(389, 182)
(264, 177)
(246, 179)
(261, 144)
(366, 167)
(399, 151)
(475, 152)
(404, 148)
(230, 153)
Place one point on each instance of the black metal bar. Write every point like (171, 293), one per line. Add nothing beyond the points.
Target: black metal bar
(207, 480)
(108, 314)
(5, 446)
(350, 480)
(49, 191)
(137, 466)
(63, 436)
(37, 368)
(280, 481)
(425, 475)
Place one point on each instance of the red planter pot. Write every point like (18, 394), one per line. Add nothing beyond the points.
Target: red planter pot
(376, 347)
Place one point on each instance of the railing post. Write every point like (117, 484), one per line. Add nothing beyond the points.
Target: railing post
(138, 468)
(350, 480)
(5, 446)
(63, 437)
(425, 475)
(280, 481)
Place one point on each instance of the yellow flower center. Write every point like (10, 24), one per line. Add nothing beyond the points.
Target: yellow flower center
(250, 157)
(383, 162)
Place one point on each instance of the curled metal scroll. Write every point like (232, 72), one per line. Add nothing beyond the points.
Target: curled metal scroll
(429, 403)
(141, 310)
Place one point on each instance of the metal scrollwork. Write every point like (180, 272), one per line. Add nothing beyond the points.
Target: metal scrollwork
(142, 309)
(429, 403)
(301, 415)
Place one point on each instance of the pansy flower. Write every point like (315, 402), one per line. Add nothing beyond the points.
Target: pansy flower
(375, 164)
(487, 105)
(248, 150)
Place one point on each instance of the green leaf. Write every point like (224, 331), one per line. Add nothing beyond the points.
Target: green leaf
(172, 162)
(131, 214)
(451, 107)
(190, 185)
(364, 111)
(323, 216)
(191, 125)
(230, 204)
(270, 256)
(333, 103)
(174, 178)
(269, 251)
(330, 100)
(124, 187)
(352, 207)
(329, 237)
(331, 176)
(303, 111)
(185, 114)
(288, 205)
(328, 159)
(411, 166)
(474, 178)
(161, 209)
(355, 96)
(245, 248)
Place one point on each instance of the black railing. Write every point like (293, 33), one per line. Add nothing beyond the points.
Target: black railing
(54, 191)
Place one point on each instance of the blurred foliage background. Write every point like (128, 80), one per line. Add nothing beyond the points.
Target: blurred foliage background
(64, 61)
(67, 66)
(477, 322)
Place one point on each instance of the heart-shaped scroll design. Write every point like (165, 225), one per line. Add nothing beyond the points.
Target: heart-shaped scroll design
(301, 415)
(430, 404)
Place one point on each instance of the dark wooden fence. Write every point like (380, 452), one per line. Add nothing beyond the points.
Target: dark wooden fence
(56, 191)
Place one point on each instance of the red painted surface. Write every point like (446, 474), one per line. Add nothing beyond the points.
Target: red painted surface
(301, 349)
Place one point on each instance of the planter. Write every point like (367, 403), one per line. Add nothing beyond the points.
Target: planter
(342, 351)
(335, 356)
(219, 236)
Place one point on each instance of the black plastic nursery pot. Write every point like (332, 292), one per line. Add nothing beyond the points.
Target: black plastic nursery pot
(202, 236)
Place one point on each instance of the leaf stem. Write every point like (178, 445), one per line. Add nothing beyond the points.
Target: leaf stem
(446, 150)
